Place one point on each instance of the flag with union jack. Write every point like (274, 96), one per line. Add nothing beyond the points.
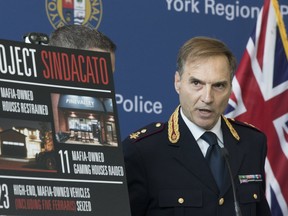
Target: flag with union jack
(260, 97)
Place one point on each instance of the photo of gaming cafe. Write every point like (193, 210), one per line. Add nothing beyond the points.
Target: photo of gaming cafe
(84, 120)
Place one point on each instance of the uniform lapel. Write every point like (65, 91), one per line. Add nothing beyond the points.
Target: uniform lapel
(190, 156)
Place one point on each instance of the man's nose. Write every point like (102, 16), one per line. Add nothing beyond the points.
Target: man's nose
(207, 96)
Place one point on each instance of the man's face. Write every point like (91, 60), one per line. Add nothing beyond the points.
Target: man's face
(204, 89)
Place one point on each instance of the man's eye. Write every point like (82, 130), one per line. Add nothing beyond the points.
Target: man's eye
(195, 82)
(220, 85)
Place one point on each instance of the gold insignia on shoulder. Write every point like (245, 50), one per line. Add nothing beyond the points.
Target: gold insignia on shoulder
(173, 126)
(146, 131)
(232, 130)
(245, 124)
(134, 135)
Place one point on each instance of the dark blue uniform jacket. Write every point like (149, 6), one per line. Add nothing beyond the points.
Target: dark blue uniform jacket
(174, 179)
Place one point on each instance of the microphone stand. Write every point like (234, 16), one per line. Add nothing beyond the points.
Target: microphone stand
(225, 154)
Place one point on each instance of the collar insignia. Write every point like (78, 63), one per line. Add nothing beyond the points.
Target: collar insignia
(231, 128)
(173, 126)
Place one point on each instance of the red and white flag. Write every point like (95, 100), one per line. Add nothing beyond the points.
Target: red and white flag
(260, 97)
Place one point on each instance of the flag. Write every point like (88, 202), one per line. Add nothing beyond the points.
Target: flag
(260, 97)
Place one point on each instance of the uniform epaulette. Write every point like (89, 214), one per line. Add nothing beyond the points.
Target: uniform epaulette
(146, 131)
(245, 124)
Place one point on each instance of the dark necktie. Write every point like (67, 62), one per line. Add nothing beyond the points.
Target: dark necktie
(214, 157)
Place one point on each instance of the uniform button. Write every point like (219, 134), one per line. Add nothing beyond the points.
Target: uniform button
(255, 196)
(143, 130)
(180, 200)
(221, 201)
(158, 124)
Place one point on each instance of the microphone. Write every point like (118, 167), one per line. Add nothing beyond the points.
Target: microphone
(225, 154)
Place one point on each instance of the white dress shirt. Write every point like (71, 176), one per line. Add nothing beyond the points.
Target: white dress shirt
(197, 132)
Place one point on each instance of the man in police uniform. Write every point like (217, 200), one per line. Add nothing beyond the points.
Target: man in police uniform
(166, 168)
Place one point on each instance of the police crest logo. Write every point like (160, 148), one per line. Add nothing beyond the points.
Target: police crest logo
(80, 12)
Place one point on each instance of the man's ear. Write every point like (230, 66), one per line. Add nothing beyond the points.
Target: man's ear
(177, 80)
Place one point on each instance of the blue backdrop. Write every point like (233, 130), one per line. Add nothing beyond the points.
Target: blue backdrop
(148, 35)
